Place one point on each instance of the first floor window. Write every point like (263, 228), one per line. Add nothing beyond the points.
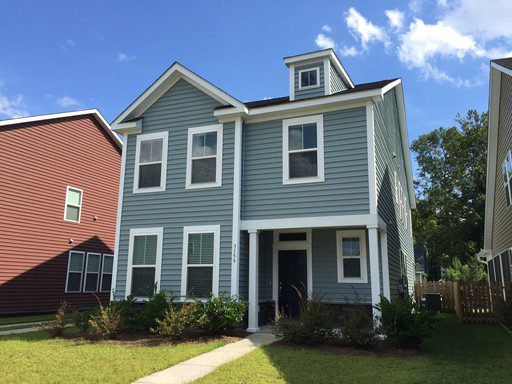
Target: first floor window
(144, 261)
(92, 272)
(151, 162)
(204, 156)
(200, 261)
(73, 206)
(106, 273)
(75, 271)
(507, 178)
(351, 256)
(309, 78)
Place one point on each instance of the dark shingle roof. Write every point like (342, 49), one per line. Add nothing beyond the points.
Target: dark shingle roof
(286, 99)
(507, 62)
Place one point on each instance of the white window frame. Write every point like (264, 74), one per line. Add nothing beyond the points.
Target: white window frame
(159, 232)
(317, 85)
(106, 273)
(163, 176)
(68, 188)
(81, 273)
(508, 175)
(218, 170)
(97, 273)
(361, 234)
(215, 229)
(319, 120)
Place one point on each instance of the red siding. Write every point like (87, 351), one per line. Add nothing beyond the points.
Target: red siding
(37, 162)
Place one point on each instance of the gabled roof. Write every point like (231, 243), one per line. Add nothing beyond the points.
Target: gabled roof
(93, 112)
(161, 85)
(505, 63)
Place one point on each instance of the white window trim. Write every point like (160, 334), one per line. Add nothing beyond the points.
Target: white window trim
(159, 232)
(76, 206)
(97, 273)
(319, 120)
(106, 273)
(163, 176)
(508, 176)
(215, 229)
(218, 171)
(81, 273)
(317, 85)
(339, 257)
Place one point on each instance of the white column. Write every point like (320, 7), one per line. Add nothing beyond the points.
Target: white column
(237, 188)
(385, 264)
(373, 244)
(253, 281)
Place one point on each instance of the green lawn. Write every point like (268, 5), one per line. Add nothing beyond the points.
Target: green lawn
(26, 319)
(35, 358)
(459, 354)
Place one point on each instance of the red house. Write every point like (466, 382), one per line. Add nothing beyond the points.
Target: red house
(59, 182)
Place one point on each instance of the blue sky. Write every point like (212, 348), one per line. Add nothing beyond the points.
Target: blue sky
(64, 55)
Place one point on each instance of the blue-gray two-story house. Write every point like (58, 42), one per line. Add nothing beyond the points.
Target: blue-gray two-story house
(308, 193)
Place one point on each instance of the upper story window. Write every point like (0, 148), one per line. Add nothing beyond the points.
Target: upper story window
(401, 202)
(150, 162)
(303, 150)
(507, 178)
(73, 208)
(351, 257)
(309, 78)
(204, 157)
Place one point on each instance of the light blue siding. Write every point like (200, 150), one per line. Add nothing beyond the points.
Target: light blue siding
(243, 288)
(180, 108)
(337, 84)
(345, 189)
(311, 92)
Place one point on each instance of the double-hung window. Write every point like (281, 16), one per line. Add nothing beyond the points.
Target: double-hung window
(204, 157)
(303, 150)
(200, 271)
(507, 178)
(92, 272)
(107, 268)
(73, 207)
(309, 78)
(351, 256)
(144, 261)
(75, 271)
(150, 162)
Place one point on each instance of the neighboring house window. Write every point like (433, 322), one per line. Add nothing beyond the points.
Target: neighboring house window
(92, 272)
(303, 150)
(144, 261)
(73, 208)
(75, 271)
(309, 78)
(351, 257)
(106, 273)
(200, 272)
(507, 178)
(151, 162)
(204, 157)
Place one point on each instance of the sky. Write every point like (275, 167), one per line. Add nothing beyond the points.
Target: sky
(60, 56)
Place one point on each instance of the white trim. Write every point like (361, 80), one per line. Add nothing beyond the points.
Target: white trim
(237, 193)
(253, 325)
(327, 77)
(81, 272)
(105, 255)
(317, 85)
(311, 222)
(501, 68)
(164, 135)
(96, 273)
(373, 249)
(501, 266)
(159, 232)
(218, 128)
(68, 188)
(119, 214)
(291, 76)
(340, 235)
(318, 120)
(372, 174)
(385, 264)
(215, 229)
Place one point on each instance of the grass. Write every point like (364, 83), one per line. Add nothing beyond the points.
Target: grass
(26, 319)
(458, 354)
(35, 358)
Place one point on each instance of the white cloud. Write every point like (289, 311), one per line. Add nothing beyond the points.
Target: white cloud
(415, 6)
(349, 51)
(121, 56)
(324, 42)
(12, 107)
(327, 28)
(395, 18)
(442, 3)
(364, 30)
(69, 43)
(66, 101)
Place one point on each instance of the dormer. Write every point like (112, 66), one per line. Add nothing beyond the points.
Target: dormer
(316, 74)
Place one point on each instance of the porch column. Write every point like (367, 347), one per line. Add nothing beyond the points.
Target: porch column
(385, 264)
(373, 245)
(253, 281)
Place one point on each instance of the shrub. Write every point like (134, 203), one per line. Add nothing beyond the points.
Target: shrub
(358, 326)
(132, 314)
(312, 327)
(402, 320)
(81, 320)
(220, 313)
(175, 320)
(155, 308)
(107, 322)
(56, 327)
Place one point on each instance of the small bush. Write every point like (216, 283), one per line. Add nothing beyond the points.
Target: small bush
(220, 313)
(175, 320)
(56, 327)
(108, 322)
(155, 308)
(132, 314)
(402, 320)
(81, 320)
(358, 326)
(312, 327)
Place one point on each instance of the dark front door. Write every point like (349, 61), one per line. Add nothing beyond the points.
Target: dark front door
(292, 281)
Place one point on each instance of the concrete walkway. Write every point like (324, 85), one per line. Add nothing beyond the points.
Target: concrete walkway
(40, 327)
(204, 364)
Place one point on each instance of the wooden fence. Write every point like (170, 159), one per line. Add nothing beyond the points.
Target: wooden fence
(444, 288)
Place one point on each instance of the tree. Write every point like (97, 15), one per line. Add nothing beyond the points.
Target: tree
(473, 272)
(450, 189)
